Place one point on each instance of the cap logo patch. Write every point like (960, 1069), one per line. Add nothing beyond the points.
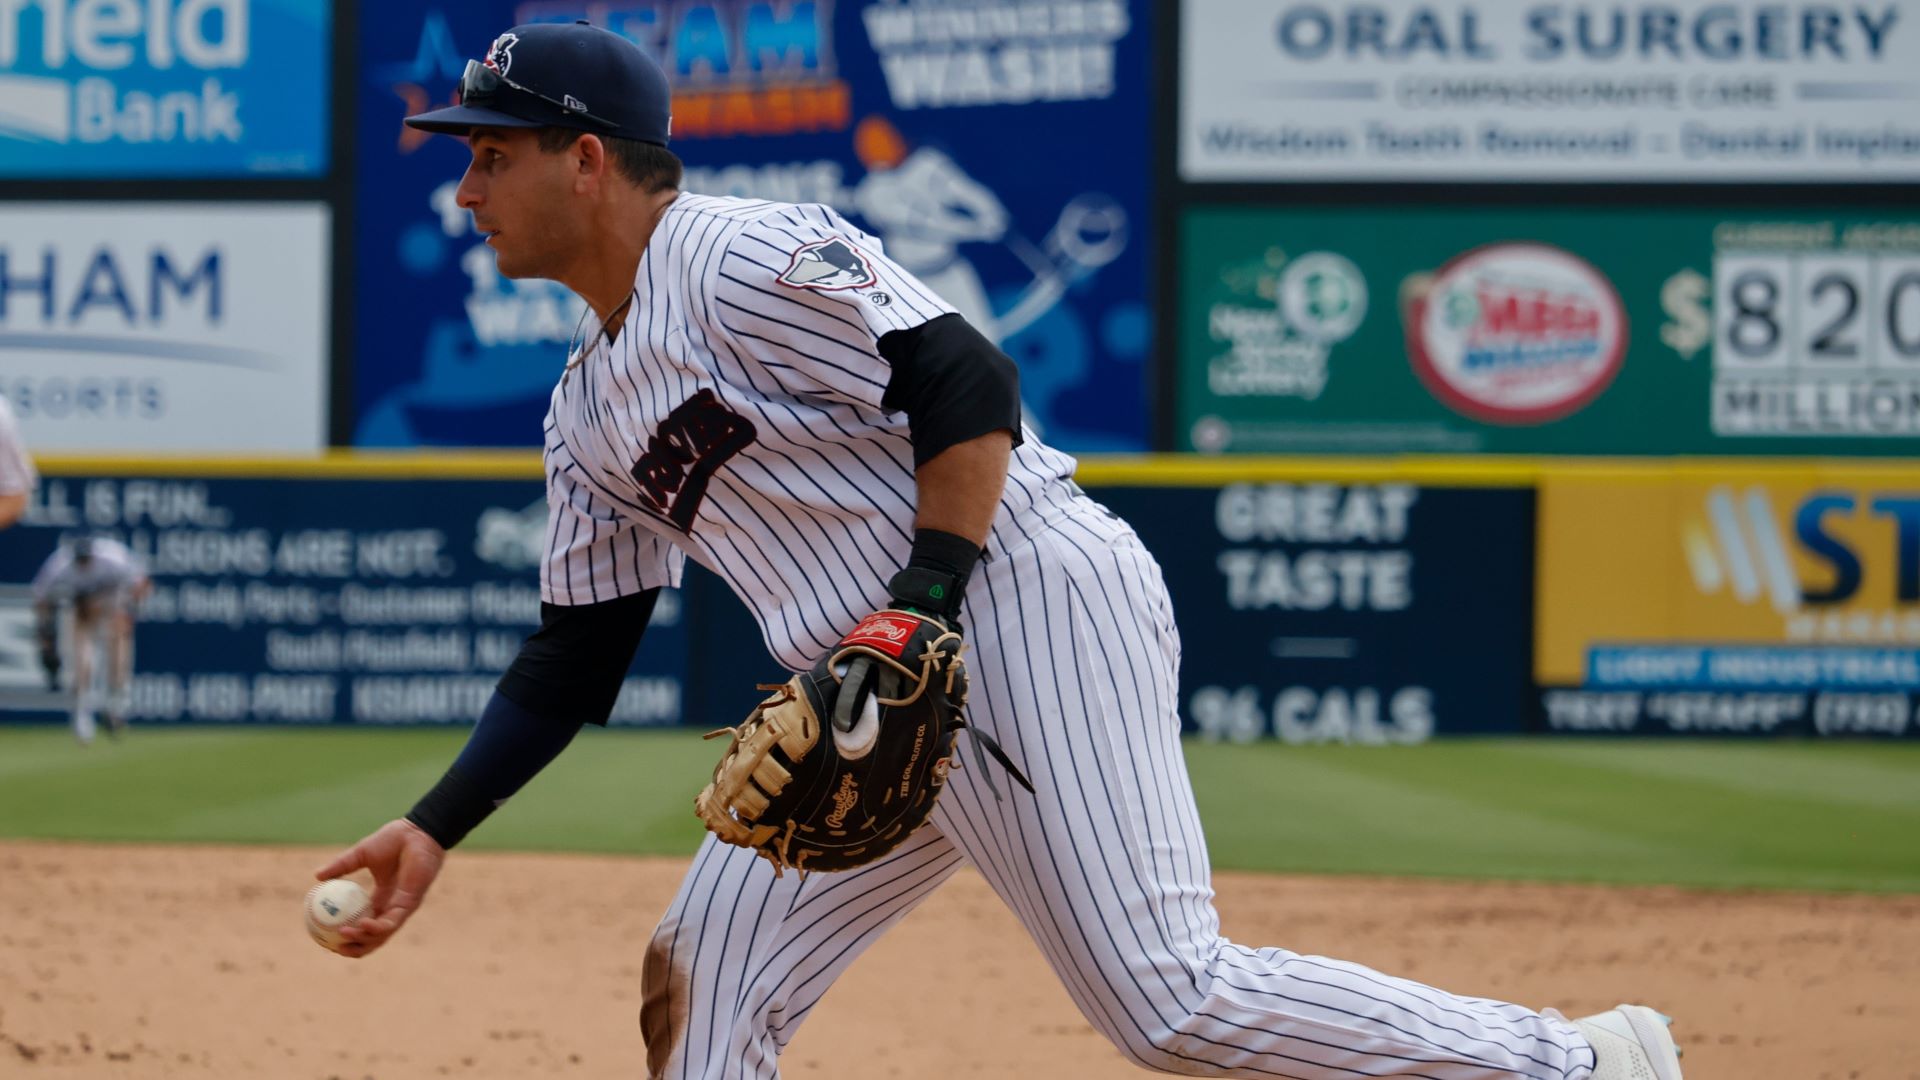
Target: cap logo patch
(500, 53)
(828, 265)
(574, 103)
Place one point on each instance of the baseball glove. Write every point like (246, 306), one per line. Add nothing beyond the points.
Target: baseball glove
(43, 632)
(821, 778)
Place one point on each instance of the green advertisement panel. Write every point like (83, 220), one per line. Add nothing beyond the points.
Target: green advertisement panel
(1631, 331)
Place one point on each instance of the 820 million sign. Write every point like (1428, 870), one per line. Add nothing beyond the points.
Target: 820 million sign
(1561, 332)
(1816, 329)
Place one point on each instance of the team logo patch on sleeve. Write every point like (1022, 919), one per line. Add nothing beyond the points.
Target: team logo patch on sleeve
(828, 265)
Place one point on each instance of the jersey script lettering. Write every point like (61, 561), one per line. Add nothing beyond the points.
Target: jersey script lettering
(694, 440)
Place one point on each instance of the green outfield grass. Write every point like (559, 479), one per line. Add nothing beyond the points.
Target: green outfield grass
(1722, 814)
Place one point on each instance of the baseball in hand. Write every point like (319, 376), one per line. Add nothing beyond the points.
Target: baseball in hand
(332, 905)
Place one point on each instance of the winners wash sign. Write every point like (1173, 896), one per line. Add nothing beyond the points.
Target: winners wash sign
(163, 87)
(1684, 90)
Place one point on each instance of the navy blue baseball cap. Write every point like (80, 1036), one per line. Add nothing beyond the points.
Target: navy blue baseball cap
(565, 75)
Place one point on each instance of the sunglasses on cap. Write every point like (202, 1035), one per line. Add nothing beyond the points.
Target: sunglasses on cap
(480, 85)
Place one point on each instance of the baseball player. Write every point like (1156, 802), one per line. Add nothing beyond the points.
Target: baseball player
(17, 476)
(103, 581)
(762, 390)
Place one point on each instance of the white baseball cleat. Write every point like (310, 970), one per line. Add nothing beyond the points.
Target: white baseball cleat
(1631, 1042)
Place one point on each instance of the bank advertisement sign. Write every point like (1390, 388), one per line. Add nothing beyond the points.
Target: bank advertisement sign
(317, 601)
(994, 150)
(166, 326)
(174, 88)
(1630, 331)
(1783, 600)
(1516, 90)
(1374, 613)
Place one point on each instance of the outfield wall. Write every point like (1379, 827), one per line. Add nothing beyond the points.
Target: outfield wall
(1361, 600)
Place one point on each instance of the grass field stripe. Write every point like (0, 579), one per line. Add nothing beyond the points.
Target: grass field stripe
(1754, 770)
(1722, 814)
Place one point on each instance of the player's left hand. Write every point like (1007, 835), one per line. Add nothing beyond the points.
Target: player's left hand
(812, 793)
(49, 648)
(865, 682)
(853, 710)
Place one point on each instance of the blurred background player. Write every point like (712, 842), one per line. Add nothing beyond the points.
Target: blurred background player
(17, 476)
(104, 582)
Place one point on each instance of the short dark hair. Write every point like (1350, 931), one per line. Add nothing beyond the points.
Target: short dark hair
(653, 167)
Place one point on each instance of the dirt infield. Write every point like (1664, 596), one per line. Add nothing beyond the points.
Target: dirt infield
(151, 961)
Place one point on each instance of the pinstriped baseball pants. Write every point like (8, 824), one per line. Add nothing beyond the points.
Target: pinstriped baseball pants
(1074, 660)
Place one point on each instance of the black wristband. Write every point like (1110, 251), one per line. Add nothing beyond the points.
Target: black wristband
(935, 577)
(451, 810)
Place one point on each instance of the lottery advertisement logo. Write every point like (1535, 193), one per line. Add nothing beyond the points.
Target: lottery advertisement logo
(1275, 325)
(1516, 333)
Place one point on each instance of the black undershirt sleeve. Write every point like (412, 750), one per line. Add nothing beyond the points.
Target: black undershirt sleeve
(572, 667)
(953, 384)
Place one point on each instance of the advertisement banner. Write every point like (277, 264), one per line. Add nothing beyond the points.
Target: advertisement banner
(1784, 600)
(1380, 613)
(995, 150)
(165, 326)
(164, 88)
(1362, 612)
(1629, 331)
(316, 601)
(1704, 91)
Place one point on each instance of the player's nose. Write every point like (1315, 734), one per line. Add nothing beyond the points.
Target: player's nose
(468, 195)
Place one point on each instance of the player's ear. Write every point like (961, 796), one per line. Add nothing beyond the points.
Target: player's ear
(590, 162)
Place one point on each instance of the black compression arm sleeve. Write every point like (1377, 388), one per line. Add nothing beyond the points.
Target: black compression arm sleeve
(572, 667)
(568, 673)
(953, 384)
(507, 748)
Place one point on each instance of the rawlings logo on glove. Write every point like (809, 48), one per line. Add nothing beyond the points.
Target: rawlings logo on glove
(888, 631)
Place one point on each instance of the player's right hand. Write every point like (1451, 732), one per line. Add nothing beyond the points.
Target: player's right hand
(404, 862)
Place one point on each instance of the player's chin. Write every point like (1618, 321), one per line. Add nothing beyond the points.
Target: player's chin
(510, 263)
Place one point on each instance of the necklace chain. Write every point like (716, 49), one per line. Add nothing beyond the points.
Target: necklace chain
(577, 354)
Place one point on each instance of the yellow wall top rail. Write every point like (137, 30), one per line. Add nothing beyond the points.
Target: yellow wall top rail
(1102, 470)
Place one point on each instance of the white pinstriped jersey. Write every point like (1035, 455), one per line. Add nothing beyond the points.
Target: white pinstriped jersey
(737, 419)
(112, 569)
